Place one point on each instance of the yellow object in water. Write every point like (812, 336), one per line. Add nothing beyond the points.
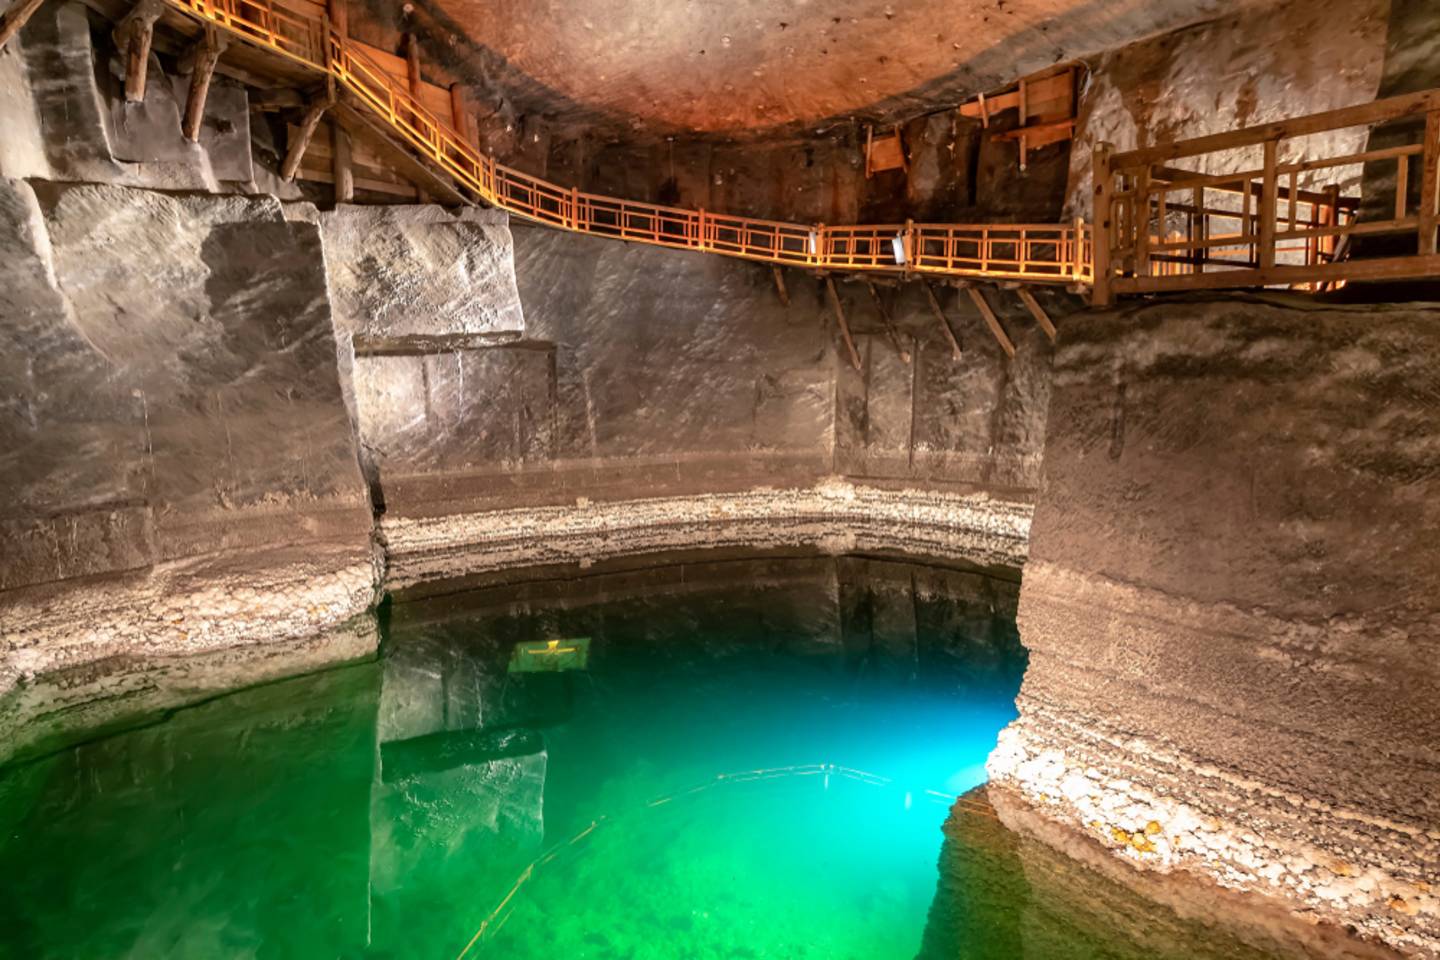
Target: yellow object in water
(550, 656)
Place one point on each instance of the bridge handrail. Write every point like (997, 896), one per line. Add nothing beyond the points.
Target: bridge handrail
(1044, 253)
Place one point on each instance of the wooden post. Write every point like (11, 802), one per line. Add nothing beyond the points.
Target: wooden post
(944, 323)
(343, 164)
(1429, 189)
(296, 149)
(13, 19)
(1269, 205)
(780, 285)
(339, 13)
(844, 327)
(1141, 204)
(889, 324)
(412, 64)
(204, 56)
(991, 321)
(1100, 295)
(460, 116)
(1038, 312)
(133, 35)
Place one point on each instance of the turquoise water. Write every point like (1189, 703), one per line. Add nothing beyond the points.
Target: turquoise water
(756, 762)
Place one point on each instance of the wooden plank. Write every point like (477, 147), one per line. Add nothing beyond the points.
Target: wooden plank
(889, 324)
(1038, 312)
(15, 18)
(1378, 111)
(1390, 268)
(844, 326)
(955, 351)
(991, 321)
(339, 13)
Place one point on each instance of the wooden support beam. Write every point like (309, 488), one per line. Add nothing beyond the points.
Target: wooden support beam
(944, 323)
(412, 64)
(780, 285)
(991, 321)
(1037, 311)
(204, 57)
(844, 327)
(296, 149)
(1430, 185)
(1269, 205)
(13, 19)
(889, 324)
(133, 36)
(343, 164)
(339, 13)
(1102, 237)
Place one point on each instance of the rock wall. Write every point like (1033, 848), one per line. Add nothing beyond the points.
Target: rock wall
(647, 372)
(1230, 604)
(1255, 65)
(172, 422)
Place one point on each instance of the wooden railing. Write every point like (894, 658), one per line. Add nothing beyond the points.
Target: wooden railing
(1039, 253)
(1273, 222)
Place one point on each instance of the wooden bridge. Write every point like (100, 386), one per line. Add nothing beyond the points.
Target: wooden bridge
(1157, 228)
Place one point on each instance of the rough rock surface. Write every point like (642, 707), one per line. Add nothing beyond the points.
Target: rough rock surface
(1235, 538)
(836, 517)
(649, 372)
(420, 270)
(1260, 64)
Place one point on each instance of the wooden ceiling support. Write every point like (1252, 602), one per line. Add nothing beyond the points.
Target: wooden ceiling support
(203, 57)
(955, 350)
(13, 19)
(888, 323)
(1037, 311)
(342, 164)
(780, 290)
(844, 326)
(991, 321)
(296, 148)
(133, 36)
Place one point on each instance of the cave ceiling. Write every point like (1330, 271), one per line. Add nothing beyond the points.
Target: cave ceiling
(755, 67)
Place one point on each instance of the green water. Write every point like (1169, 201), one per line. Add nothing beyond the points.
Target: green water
(757, 762)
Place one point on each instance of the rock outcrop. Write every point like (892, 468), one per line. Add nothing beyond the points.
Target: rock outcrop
(1230, 604)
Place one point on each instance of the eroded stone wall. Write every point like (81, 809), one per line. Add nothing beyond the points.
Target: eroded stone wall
(1230, 604)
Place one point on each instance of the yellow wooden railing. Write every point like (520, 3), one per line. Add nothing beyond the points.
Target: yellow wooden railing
(1038, 253)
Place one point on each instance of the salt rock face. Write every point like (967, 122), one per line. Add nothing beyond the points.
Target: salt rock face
(1230, 603)
(183, 406)
(396, 271)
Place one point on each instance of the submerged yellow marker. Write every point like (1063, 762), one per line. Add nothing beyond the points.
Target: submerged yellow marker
(550, 656)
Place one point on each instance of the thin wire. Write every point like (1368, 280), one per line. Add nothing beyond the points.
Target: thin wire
(964, 802)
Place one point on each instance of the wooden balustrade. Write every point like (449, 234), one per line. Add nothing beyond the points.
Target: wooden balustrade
(1048, 253)
(1160, 227)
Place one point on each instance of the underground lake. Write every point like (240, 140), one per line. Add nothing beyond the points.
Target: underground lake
(778, 757)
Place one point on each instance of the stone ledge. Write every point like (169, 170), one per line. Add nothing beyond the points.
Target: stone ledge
(836, 516)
